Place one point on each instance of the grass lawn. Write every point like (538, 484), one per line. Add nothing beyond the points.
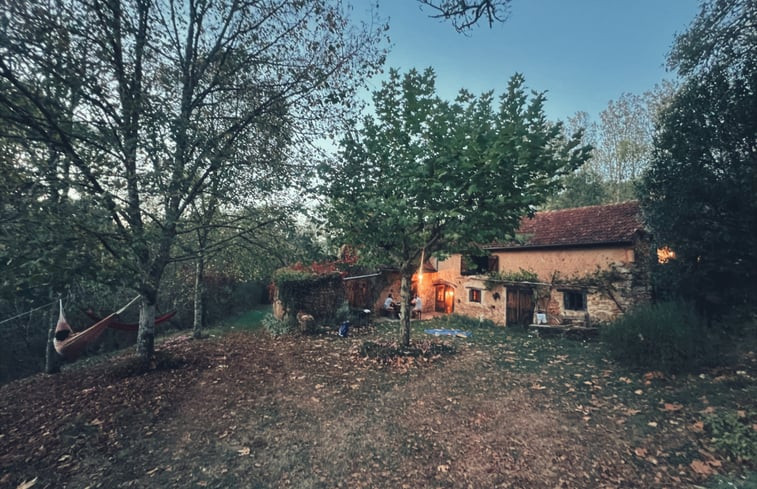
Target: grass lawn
(502, 408)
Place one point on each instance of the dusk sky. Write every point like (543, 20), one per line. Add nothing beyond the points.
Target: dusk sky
(584, 53)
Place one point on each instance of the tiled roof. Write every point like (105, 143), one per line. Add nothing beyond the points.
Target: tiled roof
(593, 225)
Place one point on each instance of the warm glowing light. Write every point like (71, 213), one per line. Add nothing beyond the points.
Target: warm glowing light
(420, 268)
(665, 254)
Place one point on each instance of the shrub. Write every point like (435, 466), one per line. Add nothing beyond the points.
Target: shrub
(733, 435)
(667, 336)
(277, 327)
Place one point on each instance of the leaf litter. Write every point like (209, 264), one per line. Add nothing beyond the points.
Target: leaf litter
(320, 411)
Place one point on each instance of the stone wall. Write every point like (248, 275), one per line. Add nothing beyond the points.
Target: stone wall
(321, 299)
(492, 305)
(613, 278)
(371, 291)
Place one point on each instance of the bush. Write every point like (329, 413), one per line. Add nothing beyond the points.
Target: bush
(277, 327)
(733, 435)
(667, 336)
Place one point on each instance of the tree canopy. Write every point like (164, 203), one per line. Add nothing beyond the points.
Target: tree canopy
(150, 104)
(698, 194)
(425, 175)
(622, 141)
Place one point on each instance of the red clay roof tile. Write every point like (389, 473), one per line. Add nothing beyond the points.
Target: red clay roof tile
(598, 224)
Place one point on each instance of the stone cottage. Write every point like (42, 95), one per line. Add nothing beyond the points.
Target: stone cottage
(583, 265)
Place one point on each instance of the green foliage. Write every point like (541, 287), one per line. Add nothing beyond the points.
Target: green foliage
(522, 275)
(733, 434)
(278, 327)
(250, 320)
(668, 336)
(152, 176)
(296, 287)
(602, 278)
(580, 188)
(427, 175)
(459, 321)
(697, 195)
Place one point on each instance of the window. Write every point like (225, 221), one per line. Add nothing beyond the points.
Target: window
(474, 295)
(478, 265)
(574, 300)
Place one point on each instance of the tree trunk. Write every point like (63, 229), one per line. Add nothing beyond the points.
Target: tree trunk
(199, 312)
(52, 359)
(405, 310)
(146, 335)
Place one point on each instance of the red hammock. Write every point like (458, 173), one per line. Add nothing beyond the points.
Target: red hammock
(121, 326)
(69, 344)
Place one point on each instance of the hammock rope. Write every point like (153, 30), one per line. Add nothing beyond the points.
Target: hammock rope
(121, 326)
(28, 312)
(69, 344)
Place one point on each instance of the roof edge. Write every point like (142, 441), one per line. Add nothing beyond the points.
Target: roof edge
(595, 244)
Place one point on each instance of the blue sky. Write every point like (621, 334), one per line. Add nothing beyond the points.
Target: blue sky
(584, 53)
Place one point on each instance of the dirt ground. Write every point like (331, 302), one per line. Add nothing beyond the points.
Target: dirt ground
(250, 411)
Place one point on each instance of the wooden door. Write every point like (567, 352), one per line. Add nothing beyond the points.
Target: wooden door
(444, 299)
(519, 306)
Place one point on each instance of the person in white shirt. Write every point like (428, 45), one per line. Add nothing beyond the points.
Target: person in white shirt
(417, 306)
(389, 305)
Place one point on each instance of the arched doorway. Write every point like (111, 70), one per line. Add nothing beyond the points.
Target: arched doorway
(444, 298)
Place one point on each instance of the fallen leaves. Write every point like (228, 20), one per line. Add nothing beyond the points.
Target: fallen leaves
(704, 469)
(655, 374)
(671, 407)
(27, 484)
(286, 397)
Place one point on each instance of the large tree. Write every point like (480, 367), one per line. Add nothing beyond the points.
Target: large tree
(168, 92)
(622, 141)
(698, 194)
(424, 175)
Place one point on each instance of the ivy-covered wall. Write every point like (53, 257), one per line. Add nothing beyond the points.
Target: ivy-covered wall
(613, 279)
(319, 295)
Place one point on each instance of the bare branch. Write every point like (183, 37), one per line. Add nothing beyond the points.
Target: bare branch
(464, 14)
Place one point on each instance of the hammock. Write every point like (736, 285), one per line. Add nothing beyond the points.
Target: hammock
(69, 344)
(121, 326)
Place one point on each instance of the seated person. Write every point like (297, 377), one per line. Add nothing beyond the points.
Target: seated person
(389, 305)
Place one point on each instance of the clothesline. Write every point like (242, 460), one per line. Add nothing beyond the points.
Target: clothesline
(28, 312)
